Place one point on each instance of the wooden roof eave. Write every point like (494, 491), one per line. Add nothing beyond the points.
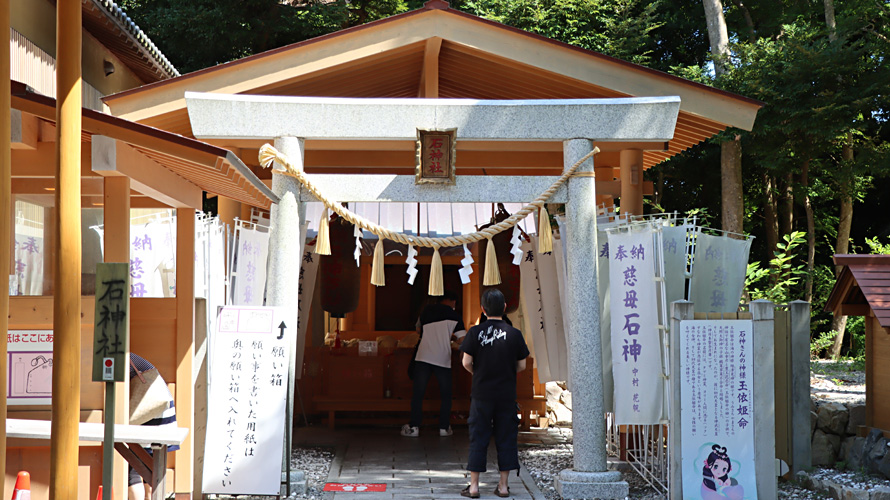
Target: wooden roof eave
(163, 143)
(353, 44)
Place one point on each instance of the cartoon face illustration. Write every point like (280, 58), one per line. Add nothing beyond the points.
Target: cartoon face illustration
(719, 468)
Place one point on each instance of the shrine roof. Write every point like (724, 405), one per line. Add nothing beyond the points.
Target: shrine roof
(210, 168)
(437, 51)
(864, 283)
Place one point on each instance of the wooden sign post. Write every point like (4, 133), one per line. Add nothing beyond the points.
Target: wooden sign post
(111, 336)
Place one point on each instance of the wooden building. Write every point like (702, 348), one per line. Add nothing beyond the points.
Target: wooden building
(863, 289)
(124, 166)
(146, 156)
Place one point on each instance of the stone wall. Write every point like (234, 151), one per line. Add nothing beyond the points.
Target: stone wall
(834, 428)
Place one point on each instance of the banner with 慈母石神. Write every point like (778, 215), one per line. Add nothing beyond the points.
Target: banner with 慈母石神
(636, 344)
(251, 251)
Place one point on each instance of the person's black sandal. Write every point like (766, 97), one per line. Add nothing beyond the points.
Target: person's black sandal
(466, 493)
(497, 492)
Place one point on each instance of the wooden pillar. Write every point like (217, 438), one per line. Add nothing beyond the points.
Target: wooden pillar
(6, 213)
(185, 346)
(228, 210)
(117, 249)
(631, 164)
(67, 256)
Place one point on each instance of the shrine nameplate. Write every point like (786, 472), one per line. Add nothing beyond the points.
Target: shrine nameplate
(112, 329)
(435, 156)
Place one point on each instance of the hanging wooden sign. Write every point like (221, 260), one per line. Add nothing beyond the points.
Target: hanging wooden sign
(435, 156)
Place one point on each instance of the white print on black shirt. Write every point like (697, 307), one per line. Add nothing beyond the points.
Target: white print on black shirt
(489, 336)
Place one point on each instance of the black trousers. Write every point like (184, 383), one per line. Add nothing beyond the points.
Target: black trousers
(493, 417)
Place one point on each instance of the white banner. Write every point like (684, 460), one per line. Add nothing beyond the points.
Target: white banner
(717, 409)
(152, 259)
(602, 284)
(552, 311)
(246, 403)
(308, 273)
(251, 251)
(636, 348)
(534, 309)
(28, 266)
(718, 273)
(674, 244)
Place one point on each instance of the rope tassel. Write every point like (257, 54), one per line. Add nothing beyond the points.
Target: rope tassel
(545, 233)
(437, 285)
(377, 276)
(323, 247)
(492, 273)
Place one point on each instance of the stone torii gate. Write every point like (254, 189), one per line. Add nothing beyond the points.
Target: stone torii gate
(289, 121)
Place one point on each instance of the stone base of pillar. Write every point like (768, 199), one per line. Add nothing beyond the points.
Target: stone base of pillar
(600, 485)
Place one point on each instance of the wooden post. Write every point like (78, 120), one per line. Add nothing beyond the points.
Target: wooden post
(117, 249)
(185, 345)
(5, 222)
(631, 165)
(681, 310)
(67, 257)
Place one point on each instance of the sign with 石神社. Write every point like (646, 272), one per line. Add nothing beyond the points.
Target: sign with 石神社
(717, 409)
(435, 156)
(246, 401)
(112, 329)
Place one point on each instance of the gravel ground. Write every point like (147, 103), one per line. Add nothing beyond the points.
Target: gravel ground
(315, 463)
(830, 381)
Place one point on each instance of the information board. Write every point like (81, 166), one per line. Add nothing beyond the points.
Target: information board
(29, 367)
(717, 409)
(246, 403)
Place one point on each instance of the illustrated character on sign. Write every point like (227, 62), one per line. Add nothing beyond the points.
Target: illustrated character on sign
(717, 485)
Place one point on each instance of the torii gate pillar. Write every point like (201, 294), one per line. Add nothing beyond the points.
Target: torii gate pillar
(589, 478)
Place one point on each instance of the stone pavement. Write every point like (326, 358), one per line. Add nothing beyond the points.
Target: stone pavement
(426, 467)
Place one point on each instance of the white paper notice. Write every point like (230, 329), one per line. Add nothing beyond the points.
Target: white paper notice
(717, 409)
(246, 404)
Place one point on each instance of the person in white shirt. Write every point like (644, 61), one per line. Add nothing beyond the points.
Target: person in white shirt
(439, 326)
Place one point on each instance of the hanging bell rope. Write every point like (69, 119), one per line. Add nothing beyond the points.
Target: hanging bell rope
(545, 233)
(437, 280)
(323, 245)
(492, 274)
(269, 154)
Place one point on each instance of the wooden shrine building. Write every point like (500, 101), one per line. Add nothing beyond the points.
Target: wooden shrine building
(145, 154)
(863, 289)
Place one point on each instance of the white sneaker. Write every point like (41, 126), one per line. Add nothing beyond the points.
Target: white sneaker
(409, 431)
(446, 432)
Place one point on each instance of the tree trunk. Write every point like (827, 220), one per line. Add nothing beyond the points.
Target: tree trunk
(717, 34)
(829, 20)
(842, 245)
(733, 206)
(811, 229)
(786, 209)
(749, 21)
(770, 218)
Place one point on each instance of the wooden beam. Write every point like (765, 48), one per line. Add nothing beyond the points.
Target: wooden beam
(41, 161)
(854, 309)
(89, 186)
(429, 77)
(25, 130)
(67, 272)
(146, 176)
(185, 346)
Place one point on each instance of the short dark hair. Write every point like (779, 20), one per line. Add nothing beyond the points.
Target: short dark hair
(448, 295)
(493, 302)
